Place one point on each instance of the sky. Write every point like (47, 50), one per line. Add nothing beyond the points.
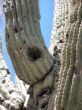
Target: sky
(46, 22)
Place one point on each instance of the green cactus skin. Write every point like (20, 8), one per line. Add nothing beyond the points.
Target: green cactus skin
(24, 35)
(68, 95)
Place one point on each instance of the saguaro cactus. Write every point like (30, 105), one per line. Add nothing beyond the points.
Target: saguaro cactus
(30, 57)
(68, 95)
(24, 40)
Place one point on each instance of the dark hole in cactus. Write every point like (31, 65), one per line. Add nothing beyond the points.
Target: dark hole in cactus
(4, 6)
(61, 41)
(67, 35)
(43, 97)
(57, 77)
(15, 29)
(44, 105)
(34, 53)
(7, 71)
(3, 81)
(12, 6)
(55, 47)
(8, 36)
(20, 48)
(62, 108)
(55, 53)
(46, 91)
(24, 42)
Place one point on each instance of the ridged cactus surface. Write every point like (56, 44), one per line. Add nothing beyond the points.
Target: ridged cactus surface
(31, 59)
(59, 25)
(25, 44)
(69, 96)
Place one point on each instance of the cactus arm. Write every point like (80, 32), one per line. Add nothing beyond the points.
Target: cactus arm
(25, 44)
